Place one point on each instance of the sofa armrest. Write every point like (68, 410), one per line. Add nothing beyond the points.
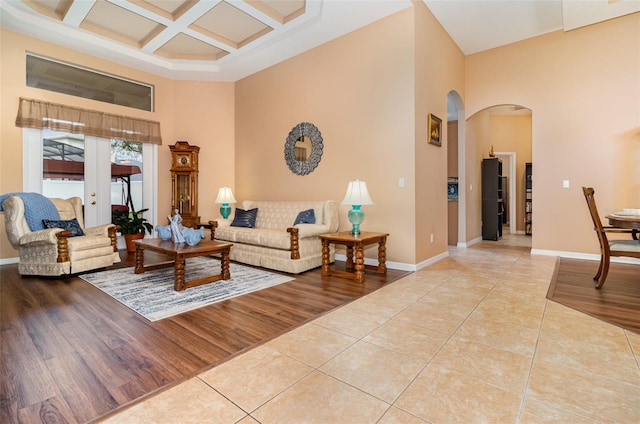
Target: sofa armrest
(214, 225)
(295, 245)
(312, 230)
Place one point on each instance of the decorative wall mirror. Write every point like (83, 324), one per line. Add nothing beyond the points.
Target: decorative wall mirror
(303, 148)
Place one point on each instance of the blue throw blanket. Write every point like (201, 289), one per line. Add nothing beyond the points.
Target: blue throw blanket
(36, 208)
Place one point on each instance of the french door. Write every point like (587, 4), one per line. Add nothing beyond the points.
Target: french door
(98, 170)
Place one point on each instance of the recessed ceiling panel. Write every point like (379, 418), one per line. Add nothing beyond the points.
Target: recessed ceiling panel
(231, 23)
(283, 7)
(183, 46)
(118, 23)
(52, 8)
(171, 9)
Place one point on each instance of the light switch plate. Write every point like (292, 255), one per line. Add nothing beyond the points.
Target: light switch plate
(565, 183)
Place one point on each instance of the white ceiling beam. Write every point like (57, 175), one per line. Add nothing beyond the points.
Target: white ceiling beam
(77, 12)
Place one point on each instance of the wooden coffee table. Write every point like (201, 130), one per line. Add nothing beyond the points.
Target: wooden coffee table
(358, 242)
(179, 252)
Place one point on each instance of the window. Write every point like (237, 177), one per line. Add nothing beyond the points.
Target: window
(76, 81)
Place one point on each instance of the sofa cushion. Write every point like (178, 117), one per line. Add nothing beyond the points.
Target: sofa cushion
(77, 244)
(277, 215)
(275, 239)
(305, 217)
(245, 218)
(69, 224)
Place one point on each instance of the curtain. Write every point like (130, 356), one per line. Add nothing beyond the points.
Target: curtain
(39, 114)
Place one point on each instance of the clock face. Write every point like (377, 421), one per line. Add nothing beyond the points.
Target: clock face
(183, 160)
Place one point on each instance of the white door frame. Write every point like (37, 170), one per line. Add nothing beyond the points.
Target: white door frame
(512, 189)
(32, 175)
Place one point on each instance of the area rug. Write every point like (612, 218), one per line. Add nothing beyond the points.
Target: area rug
(152, 295)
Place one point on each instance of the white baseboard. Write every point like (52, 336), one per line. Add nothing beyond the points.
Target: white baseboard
(401, 266)
(9, 261)
(432, 260)
(469, 243)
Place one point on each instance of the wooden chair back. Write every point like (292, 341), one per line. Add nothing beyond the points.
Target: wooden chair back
(595, 217)
(628, 248)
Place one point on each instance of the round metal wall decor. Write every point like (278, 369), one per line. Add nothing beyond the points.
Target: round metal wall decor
(299, 162)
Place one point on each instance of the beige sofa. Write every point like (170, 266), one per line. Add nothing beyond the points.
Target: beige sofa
(275, 243)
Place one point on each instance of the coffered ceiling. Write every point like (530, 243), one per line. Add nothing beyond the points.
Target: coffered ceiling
(193, 39)
(226, 40)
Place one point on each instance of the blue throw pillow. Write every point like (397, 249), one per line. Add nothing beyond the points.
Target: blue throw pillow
(71, 224)
(305, 217)
(244, 218)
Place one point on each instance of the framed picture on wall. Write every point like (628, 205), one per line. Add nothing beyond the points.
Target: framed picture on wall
(435, 130)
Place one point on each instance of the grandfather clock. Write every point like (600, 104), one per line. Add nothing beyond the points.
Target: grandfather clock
(184, 182)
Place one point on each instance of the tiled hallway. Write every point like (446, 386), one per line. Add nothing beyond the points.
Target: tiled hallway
(471, 339)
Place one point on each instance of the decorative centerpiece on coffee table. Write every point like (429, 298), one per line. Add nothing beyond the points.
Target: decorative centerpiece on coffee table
(179, 233)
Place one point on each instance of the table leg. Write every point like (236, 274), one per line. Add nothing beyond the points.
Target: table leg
(325, 258)
(359, 263)
(178, 285)
(224, 263)
(349, 263)
(139, 260)
(382, 256)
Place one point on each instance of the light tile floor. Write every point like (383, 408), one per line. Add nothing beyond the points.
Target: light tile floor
(470, 339)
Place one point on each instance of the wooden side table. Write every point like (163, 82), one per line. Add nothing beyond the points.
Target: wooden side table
(357, 242)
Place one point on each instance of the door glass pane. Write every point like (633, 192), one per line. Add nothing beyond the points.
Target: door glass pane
(64, 170)
(126, 175)
(62, 164)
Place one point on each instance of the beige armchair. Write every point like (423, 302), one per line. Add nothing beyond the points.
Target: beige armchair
(52, 251)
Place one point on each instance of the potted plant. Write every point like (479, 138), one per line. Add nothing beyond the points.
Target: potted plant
(132, 226)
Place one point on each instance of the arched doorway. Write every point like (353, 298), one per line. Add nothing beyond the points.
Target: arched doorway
(506, 131)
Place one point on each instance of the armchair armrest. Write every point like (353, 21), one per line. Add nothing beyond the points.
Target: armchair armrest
(43, 237)
(99, 230)
(50, 236)
(108, 230)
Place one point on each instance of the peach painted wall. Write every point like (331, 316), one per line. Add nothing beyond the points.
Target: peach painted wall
(477, 148)
(358, 90)
(439, 70)
(181, 107)
(361, 92)
(583, 88)
(206, 119)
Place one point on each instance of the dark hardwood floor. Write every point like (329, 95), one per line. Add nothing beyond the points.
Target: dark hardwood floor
(71, 354)
(617, 302)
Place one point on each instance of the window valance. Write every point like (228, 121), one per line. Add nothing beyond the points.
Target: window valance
(40, 115)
